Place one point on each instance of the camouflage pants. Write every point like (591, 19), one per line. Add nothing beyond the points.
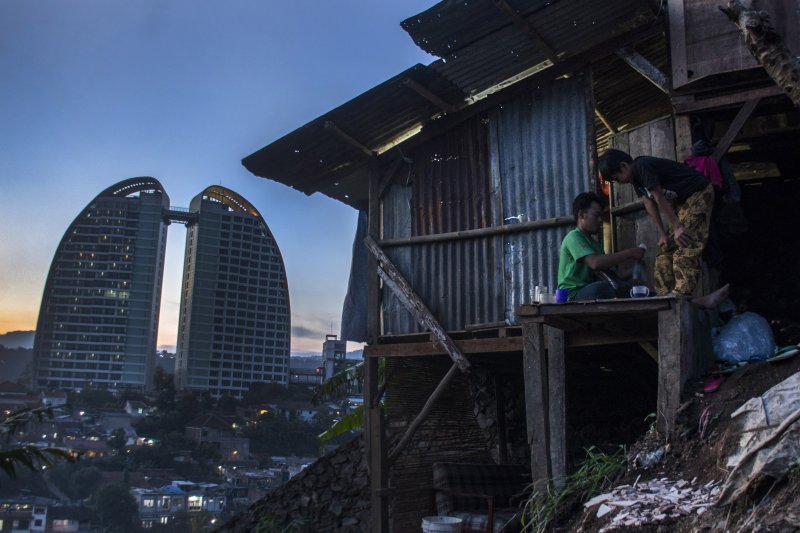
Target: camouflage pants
(678, 268)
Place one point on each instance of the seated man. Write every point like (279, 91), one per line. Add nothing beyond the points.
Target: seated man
(582, 253)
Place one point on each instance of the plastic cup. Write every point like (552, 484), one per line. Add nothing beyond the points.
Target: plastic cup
(562, 295)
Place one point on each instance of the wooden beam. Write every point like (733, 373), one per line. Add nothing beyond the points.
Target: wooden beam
(402, 289)
(606, 122)
(734, 128)
(690, 104)
(643, 66)
(677, 43)
(536, 402)
(333, 127)
(389, 175)
(651, 350)
(428, 349)
(412, 428)
(528, 29)
(632, 207)
(429, 95)
(481, 232)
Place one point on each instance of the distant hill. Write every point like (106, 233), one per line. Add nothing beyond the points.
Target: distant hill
(17, 339)
(13, 362)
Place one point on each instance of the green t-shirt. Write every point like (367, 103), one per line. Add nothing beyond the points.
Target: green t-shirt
(573, 274)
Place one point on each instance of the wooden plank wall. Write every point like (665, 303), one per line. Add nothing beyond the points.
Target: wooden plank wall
(656, 138)
(713, 44)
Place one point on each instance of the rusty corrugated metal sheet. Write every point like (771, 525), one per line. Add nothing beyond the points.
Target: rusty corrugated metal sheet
(469, 35)
(525, 161)
(449, 190)
(540, 159)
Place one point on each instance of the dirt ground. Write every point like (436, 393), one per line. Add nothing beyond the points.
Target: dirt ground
(699, 454)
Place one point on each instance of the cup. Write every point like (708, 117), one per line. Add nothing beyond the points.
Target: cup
(640, 291)
(538, 292)
(562, 295)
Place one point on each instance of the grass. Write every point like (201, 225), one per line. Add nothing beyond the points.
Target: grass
(597, 472)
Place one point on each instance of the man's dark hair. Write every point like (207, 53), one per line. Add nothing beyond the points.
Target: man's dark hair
(584, 201)
(610, 162)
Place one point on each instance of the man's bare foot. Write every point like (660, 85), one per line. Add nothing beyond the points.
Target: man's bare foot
(713, 299)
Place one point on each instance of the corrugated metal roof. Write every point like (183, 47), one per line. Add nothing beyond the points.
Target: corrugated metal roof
(482, 48)
(469, 35)
(317, 158)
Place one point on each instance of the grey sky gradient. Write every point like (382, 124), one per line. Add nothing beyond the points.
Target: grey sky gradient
(96, 91)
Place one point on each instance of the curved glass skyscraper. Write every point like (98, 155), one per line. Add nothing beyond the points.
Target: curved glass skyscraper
(234, 318)
(99, 315)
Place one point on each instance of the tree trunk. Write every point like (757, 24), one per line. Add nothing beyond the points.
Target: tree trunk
(767, 47)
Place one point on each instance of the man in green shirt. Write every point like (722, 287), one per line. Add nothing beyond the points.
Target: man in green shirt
(582, 253)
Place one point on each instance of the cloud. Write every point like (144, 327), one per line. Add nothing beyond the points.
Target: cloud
(305, 333)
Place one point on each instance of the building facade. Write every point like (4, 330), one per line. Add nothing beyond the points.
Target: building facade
(334, 356)
(98, 320)
(234, 318)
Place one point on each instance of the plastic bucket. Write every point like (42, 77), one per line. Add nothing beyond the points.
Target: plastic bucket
(441, 524)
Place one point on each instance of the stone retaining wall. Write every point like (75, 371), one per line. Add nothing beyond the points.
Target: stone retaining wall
(331, 495)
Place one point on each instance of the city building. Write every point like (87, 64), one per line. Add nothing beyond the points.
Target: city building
(234, 318)
(334, 356)
(99, 314)
(158, 507)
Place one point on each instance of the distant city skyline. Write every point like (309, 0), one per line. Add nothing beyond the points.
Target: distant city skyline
(95, 92)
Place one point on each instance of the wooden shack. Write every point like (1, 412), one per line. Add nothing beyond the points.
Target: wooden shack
(466, 169)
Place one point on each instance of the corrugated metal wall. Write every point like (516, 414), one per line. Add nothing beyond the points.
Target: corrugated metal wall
(526, 159)
(447, 188)
(540, 160)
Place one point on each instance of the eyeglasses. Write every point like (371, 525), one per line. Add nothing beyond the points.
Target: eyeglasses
(595, 214)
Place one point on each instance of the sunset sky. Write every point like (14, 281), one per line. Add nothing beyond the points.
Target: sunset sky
(96, 91)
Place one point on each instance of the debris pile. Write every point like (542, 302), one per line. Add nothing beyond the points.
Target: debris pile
(653, 502)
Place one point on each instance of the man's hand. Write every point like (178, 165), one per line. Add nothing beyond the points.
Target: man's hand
(682, 238)
(636, 253)
(662, 241)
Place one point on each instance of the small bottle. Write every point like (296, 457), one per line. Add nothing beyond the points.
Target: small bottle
(639, 273)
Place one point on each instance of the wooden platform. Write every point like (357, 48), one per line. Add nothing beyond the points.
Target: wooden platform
(678, 328)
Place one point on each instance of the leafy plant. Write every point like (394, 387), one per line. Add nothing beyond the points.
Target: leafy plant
(348, 422)
(340, 384)
(597, 472)
(29, 456)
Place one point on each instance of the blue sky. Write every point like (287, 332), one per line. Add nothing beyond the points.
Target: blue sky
(96, 91)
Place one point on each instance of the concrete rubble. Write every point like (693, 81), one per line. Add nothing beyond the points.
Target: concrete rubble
(653, 502)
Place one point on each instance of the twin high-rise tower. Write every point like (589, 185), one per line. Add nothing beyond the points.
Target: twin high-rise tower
(98, 320)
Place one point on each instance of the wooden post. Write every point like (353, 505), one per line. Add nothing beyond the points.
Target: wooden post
(683, 137)
(536, 396)
(500, 414)
(674, 346)
(376, 446)
(557, 404)
(374, 423)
